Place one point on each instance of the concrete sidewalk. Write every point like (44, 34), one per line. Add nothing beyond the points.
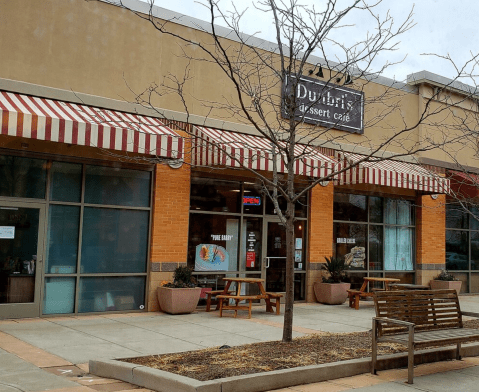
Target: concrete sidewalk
(52, 353)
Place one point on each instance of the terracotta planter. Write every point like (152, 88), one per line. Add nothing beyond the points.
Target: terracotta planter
(446, 284)
(178, 300)
(331, 293)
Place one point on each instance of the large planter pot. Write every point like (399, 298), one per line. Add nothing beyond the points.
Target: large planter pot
(178, 300)
(331, 293)
(446, 284)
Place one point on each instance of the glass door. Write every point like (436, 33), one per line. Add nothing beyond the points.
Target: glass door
(274, 266)
(21, 257)
(275, 259)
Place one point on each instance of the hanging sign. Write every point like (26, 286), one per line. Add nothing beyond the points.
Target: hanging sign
(325, 104)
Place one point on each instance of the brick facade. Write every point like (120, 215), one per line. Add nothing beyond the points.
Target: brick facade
(430, 237)
(169, 237)
(320, 235)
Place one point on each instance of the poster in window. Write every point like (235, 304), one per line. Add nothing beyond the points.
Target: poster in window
(298, 256)
(211, 257)
(356, 258)
(299, 243)
(7, 232)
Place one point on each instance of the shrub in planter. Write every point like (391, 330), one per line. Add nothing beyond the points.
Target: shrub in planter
(446, 281)
(333, 288)
(180, 296)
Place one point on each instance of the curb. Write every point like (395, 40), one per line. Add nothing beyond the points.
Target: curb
(161, 381)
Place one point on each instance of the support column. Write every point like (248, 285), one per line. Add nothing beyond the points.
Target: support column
(169, 234)
(430, 237)
(320, 234)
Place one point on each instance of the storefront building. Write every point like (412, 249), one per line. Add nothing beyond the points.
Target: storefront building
(100, 199)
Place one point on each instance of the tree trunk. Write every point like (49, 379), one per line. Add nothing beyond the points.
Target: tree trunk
(288, 309)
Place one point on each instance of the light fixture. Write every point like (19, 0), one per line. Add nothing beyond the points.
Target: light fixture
(348, 80)
(319, 74)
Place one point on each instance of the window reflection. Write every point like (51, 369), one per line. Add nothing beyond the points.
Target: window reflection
(22, 177)
(213, 195)
(114, 240)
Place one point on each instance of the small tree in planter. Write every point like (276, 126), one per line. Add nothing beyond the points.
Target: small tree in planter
(446, 281)
(333, 288)
(180, 296)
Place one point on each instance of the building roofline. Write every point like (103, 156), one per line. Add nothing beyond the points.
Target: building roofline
(259, 43)
(427, 77)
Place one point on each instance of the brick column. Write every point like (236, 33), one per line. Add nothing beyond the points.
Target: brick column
(320, 233)
(430, 237)
(169, 234)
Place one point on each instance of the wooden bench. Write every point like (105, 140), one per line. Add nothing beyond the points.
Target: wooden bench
(416, 319)
(224, 305)
(355, 295)
(210, 295)
(277, 304)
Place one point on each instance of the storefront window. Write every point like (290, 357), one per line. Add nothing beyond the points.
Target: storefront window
(114, 240)
(375, 209)
(62, 243)
(384, 242)
(116, 186)
(457, 251)
(376, 247)
(350, 243)
(398, 249)
(348, 207)
(111, 293)
(300, 208)
(59, 296)
(462, 243)
(213, 243)
(215, 195)
(456, 217)
(22, 177)
(66, 182)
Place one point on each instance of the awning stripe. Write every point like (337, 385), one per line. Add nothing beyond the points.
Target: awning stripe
(51, 120)
(390, 173)
(217, 147)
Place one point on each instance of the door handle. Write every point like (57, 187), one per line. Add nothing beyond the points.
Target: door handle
(266, 259)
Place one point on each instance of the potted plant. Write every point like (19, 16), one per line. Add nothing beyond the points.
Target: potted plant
(332, 289)
(180, 296)
(446, 281)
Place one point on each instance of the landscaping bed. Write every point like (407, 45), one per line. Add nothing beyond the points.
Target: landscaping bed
(215, 363)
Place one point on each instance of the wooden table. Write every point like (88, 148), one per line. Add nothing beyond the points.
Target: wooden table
(408, 286)
(355, 295)
(225, 296)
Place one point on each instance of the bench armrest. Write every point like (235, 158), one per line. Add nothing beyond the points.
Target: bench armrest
(393, 321)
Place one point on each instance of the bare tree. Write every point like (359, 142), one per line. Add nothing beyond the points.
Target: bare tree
(266, 89)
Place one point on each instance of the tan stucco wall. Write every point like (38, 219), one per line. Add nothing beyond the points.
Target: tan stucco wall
(96, 48)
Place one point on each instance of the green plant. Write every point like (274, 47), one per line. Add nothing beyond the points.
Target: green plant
(444, 275)
(182, 278)
(336, 268)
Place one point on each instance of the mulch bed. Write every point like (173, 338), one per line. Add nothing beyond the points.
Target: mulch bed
(214, 363)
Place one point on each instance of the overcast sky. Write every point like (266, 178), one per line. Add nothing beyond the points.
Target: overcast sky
(442, 27)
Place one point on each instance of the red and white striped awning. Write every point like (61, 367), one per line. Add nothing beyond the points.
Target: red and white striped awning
(238, 150)
(389, 173)
(463, 185)
(64, 122)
